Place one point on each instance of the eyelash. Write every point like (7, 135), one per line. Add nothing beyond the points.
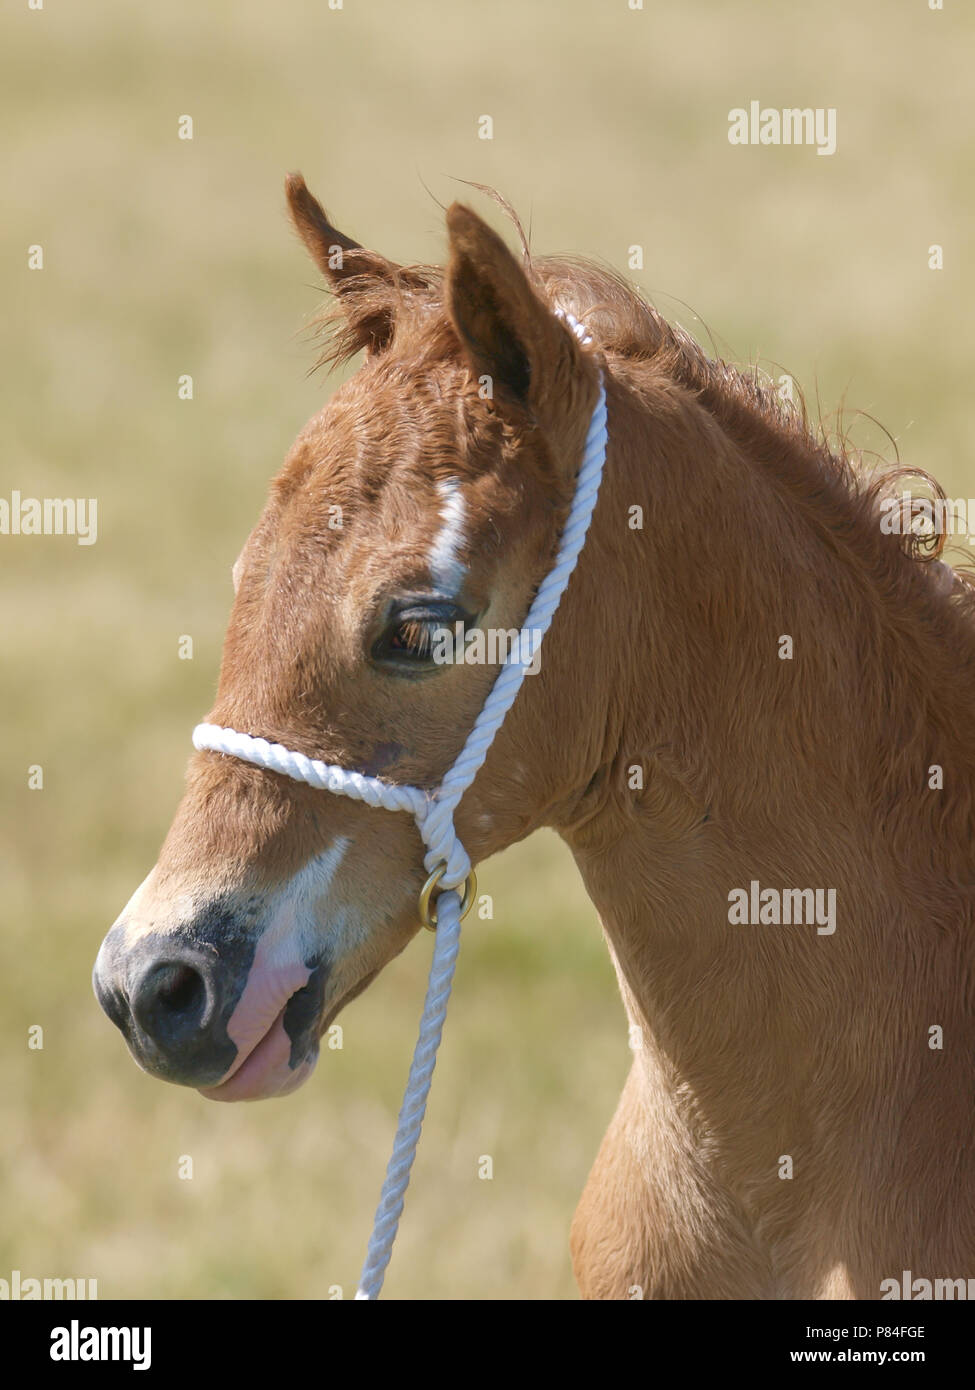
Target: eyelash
(413, 637)
(407, 639)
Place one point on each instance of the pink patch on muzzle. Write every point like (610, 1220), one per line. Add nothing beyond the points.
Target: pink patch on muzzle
(256, 1027)
(265, 1071)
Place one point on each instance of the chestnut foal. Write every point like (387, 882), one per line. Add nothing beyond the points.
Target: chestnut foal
(750, 722)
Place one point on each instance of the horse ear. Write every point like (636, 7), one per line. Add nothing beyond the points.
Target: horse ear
(510, 335)
(354, 273)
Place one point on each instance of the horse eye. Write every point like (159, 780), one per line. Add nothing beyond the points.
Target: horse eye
(418, 637)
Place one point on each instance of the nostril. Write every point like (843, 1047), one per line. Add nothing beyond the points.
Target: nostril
(181, 989)
(170, 1002)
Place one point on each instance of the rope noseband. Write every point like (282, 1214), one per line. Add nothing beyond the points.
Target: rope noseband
(445, 860)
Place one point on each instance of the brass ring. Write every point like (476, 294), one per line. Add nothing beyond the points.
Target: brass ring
(428, 915)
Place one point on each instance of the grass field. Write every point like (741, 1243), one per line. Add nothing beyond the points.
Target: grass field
(165, 256)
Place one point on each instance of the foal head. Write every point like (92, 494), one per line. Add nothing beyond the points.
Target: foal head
(430, 492)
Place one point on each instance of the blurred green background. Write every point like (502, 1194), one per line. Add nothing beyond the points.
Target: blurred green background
(163, 257)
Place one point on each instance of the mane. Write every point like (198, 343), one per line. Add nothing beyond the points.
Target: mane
(825, 475)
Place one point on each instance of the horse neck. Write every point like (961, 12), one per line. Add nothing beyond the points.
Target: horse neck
(725, 764)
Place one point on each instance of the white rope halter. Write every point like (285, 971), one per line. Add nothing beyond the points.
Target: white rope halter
(446, 860)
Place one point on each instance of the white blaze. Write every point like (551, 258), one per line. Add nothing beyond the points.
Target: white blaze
(445, 565)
